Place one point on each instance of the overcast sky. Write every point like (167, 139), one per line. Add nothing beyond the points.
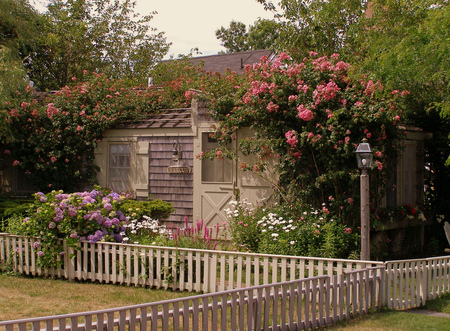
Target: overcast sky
(192, 23)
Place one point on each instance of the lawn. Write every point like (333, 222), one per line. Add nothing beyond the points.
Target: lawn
(24, 297)
(402, 320)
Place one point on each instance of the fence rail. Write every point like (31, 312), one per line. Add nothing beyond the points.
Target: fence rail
(250, 287)
(295, 305)
(175, 268)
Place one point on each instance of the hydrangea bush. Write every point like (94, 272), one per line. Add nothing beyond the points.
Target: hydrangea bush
(93, 216)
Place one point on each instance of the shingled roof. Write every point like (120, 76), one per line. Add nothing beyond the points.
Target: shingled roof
(234, 61)
(173, 118)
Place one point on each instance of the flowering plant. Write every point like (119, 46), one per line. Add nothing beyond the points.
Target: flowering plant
(93, 216)
(308, 119)
(276, 230)
(53, 136)
(403, 213)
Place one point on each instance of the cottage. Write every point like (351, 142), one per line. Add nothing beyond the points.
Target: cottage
(157, 158)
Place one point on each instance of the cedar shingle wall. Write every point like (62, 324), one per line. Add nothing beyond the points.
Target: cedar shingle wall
(174, 188)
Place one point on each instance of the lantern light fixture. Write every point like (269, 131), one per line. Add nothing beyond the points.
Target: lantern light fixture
(364, 155)
(176, 153)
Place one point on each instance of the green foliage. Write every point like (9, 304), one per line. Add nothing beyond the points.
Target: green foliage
(155, 209)
(325, 27)
(10, 206)
(93, 216)
(95, 35)
(196, 236)
(233, 38)
(19, 28)
(410, 49)
(308, 119)
(244, 231)
(280, 230)
(53, 140)
(262, 35)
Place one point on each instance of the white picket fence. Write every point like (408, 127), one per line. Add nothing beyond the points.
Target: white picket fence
(296, 305)
(175, 268)
(348, 287)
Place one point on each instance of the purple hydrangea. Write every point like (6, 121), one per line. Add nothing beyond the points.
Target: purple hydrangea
(61, 196)
(42, 197)
(59, 215)
(87, 200)
(115, 196)
(52, 225)
(107, 206)
(72, 211)
(118, 237)
(63, 205)
(121, 216)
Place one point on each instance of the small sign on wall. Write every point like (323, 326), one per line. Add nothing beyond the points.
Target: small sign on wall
(179, 170)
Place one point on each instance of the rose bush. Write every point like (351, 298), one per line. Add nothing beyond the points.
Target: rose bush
(53, 136)
(308, 119)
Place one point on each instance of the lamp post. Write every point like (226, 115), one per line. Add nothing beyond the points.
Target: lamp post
(364, 157)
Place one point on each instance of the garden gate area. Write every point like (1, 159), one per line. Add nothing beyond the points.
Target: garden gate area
(241, 291)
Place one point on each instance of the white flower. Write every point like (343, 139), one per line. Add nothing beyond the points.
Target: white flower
(292, 242)
(274, 234)
(263, 230)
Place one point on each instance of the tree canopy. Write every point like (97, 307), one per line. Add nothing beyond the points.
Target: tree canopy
(95, 35)
(237, 38)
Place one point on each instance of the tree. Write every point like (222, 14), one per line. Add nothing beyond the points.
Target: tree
(323, 26)
(233, 38)
(19, 27)
(407, 46)
(12, 85)
(236, 38)
(95, 35)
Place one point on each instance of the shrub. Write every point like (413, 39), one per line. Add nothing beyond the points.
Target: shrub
(280, 230)
(93, 216)
(10, 206)
(307, 119)
(155, 209)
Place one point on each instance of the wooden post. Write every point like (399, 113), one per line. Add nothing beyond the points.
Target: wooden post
(365, 217)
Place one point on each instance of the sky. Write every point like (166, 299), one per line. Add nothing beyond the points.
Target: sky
(192, 23)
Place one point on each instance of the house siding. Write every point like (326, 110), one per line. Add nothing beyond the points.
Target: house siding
(174, 188)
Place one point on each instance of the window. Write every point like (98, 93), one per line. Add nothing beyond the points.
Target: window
(119, 167)
(403, 184)
(215, 170)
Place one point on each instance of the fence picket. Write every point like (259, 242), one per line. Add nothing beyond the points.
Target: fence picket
(408, 283)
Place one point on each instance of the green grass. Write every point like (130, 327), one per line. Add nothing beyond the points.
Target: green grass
(402, 320)
(394, 320)
(23, 297)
